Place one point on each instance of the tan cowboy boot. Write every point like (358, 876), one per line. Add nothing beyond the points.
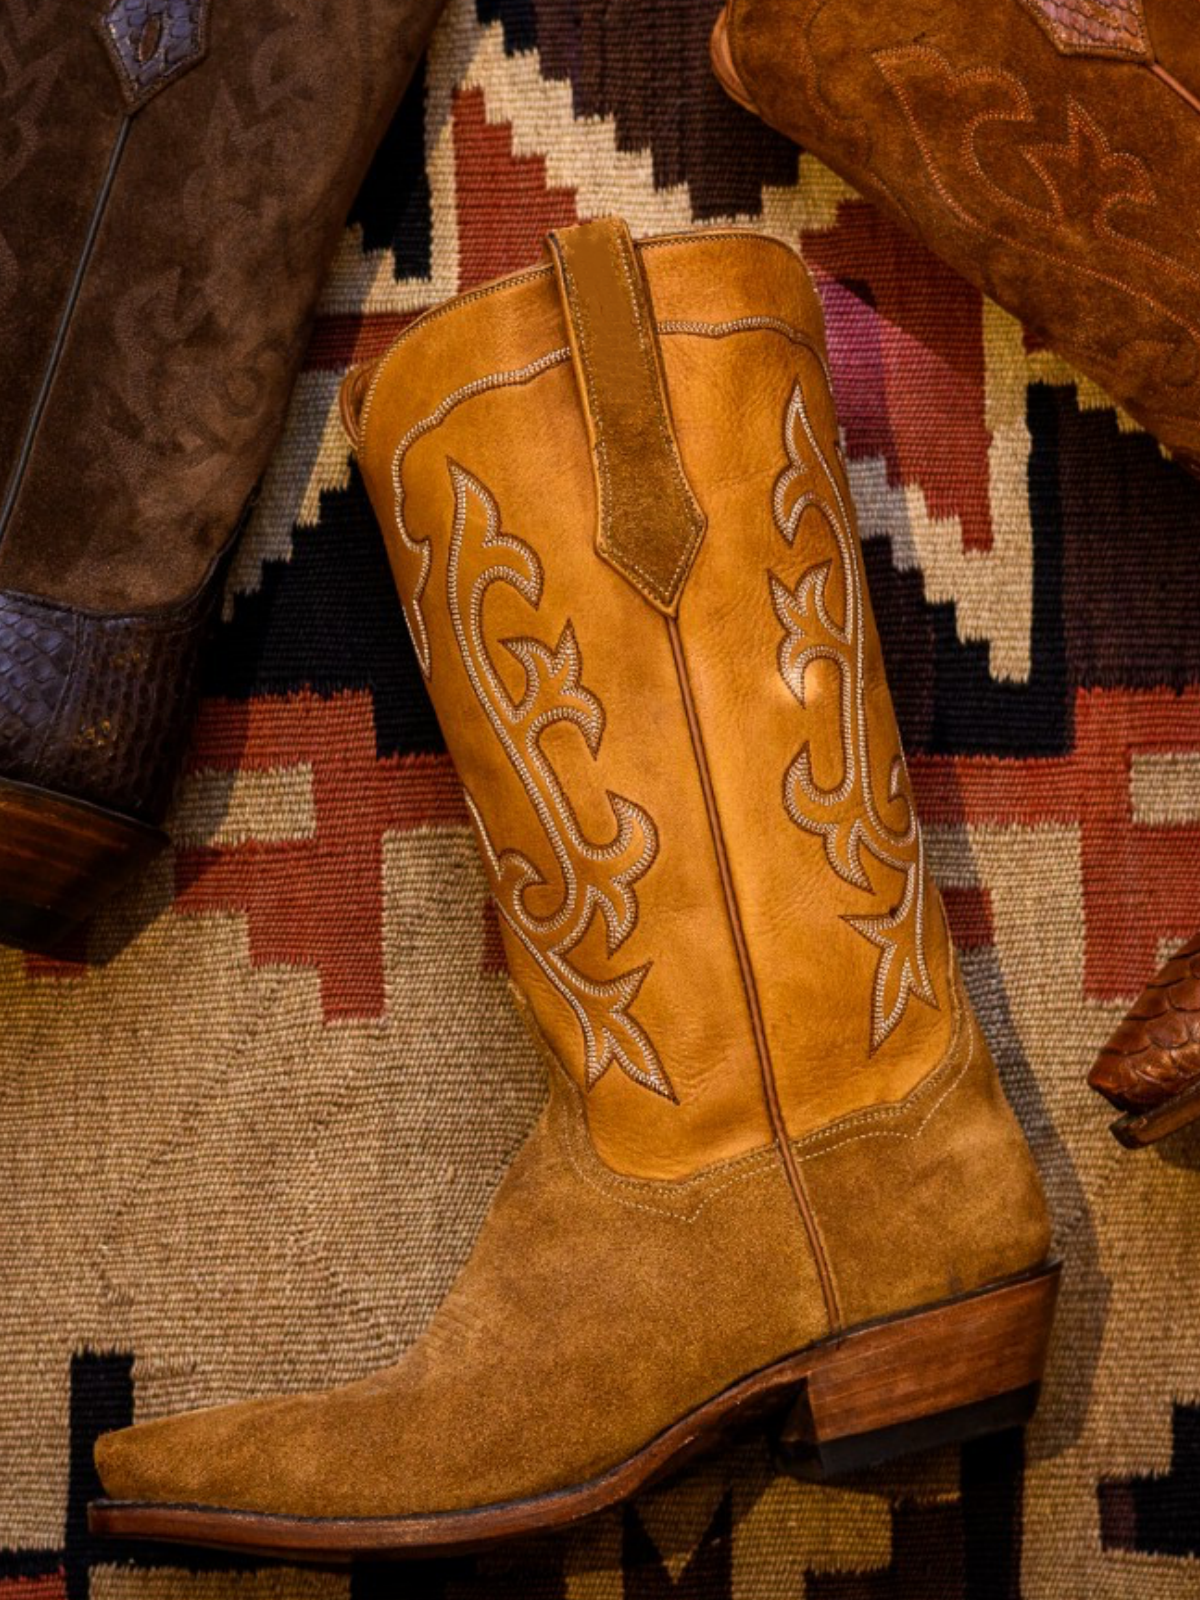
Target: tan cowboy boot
(777, 1168)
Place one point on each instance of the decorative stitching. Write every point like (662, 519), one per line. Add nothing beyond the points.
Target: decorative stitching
(742, 1169)
(596, 878)
(1138, 189)
(414, 615)
(1094, 27)
(756, 324)
(946, 1075)
(847, 818)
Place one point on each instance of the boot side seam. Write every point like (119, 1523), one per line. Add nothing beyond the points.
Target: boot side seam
(61, 333)
(770, 1087)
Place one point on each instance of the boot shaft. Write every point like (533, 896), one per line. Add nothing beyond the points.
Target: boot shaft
(630, 569)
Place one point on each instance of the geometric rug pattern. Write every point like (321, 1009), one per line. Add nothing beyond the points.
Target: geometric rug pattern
(250, 1122)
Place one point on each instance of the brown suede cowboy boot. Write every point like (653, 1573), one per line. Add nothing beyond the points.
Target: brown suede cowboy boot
(1150, 1068)
(174, 177)
(777, 1168)
(1049, 150)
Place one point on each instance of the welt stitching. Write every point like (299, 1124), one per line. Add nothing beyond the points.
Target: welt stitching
(934, 1081)
(757, 1166)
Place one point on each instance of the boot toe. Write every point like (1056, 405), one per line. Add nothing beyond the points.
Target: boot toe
(214, 1457)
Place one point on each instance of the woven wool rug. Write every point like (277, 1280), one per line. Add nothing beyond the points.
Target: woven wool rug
(248, 1131)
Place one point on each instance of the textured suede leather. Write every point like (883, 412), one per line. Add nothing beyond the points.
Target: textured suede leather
(593, 1310)
(776, 1115)
(1055, 173)
(226, 201)
(921, 1200)
(162, 241)
(649, 525)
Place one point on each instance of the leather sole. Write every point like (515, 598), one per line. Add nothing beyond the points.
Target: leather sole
(1136, 1129)
(59, 859)
(949, 1372)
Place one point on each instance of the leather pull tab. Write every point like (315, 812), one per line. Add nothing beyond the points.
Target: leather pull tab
(649, 522)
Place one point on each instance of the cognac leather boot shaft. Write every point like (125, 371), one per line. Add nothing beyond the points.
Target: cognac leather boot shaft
(618, 518)
(173, 181)
(776, 1169)
(632, 579)
(1049, 150)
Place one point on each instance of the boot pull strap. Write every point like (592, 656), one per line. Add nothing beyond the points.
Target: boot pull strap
(649, 522)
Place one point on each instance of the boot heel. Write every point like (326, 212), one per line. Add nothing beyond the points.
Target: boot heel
(959, 1370)
(59, 859)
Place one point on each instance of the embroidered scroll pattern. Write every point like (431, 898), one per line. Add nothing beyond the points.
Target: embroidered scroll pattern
(597, 879)
(847, 817)
(1086, 209)
(414, 606)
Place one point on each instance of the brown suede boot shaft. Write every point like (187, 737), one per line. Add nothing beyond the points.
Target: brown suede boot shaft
(176, 180)
(1050, 153)
(226, 199)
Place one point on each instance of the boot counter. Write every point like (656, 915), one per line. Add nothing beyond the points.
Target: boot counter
(931, 1197)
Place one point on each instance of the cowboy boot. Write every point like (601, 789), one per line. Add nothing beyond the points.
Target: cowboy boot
(1048, 150)
(1150, 1068)
(176, 180)
(777, 1169)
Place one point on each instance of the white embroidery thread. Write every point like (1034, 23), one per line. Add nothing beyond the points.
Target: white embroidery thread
(847, 817)
(596, 879)
(414, 612)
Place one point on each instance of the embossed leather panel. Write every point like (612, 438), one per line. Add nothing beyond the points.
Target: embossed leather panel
(97, 707)
(1094, 27)
(213, 212)
(1155, 1052)
(151, 43)
(1061, 186)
